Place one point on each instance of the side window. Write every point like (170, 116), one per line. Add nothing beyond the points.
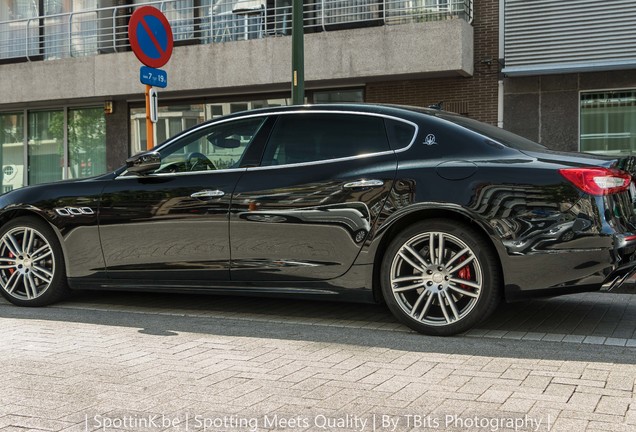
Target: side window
(400, 134)
(309, 137)
(216, 147)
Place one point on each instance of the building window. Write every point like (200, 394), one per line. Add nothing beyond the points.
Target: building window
(59, 144)
(338, 96)
(178, 117)
(70, 28)
(46, 146)
(12, 155)
(608, 122)
(16, 31)
(86, 142)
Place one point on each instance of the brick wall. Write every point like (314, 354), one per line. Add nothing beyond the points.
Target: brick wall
(474, 96)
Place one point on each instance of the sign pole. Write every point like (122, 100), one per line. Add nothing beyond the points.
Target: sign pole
(298, 54)
(150, 130)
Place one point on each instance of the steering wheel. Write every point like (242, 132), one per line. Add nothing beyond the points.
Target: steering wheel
(196, 161)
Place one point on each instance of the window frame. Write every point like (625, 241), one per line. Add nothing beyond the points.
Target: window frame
(253, 146)
(346, 158)
(579, 115)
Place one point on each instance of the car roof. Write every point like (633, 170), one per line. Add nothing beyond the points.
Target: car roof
(387, 109)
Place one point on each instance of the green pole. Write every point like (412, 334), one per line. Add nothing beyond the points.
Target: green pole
(298, 54)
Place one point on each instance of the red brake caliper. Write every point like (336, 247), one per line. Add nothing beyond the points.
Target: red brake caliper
(11, 270)
(464, 273)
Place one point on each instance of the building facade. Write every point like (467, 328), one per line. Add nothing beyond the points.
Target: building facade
(570, 73)
(71, 104)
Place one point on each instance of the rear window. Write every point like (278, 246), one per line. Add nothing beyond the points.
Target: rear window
(311, 137)
(499, 135)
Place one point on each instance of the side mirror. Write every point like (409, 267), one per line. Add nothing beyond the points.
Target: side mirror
(143, 162)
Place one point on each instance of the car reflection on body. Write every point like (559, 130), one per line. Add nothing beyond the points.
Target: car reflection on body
(436, 215)
(353, 217)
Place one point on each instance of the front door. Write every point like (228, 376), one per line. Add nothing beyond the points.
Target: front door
(172, 224)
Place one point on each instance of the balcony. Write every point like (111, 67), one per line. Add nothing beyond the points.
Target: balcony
(242, 43)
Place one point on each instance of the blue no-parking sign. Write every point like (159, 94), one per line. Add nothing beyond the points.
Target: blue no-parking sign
(150, 36)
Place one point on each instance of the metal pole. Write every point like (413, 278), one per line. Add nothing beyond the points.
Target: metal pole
(298, 54)
(150, 131)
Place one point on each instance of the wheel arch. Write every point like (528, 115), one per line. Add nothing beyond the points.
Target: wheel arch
(393, 227)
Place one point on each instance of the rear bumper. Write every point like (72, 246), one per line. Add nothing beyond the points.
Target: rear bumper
(625, 247)
(570, 271)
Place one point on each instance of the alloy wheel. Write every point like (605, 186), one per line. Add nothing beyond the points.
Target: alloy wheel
(27, 264)
(436, 278)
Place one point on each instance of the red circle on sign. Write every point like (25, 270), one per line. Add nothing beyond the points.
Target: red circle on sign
(137, 20)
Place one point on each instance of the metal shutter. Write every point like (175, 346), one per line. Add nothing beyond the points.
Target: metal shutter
(551, 36)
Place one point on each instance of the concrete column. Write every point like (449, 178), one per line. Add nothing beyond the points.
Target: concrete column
(117, 135)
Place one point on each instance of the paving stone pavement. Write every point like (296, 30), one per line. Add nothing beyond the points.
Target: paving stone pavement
(159, 362)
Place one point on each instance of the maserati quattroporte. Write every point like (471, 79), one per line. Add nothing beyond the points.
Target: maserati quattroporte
(436, 215)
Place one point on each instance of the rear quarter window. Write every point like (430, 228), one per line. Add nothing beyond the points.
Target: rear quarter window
(400, 134)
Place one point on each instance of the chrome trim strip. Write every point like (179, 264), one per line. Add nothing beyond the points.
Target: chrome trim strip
(320, 162)
(208, 194)
(363, 184)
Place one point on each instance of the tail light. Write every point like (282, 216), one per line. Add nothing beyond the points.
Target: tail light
(598, 181)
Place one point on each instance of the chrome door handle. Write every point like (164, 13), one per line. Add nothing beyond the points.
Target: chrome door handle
(363, 184)
(208, 194)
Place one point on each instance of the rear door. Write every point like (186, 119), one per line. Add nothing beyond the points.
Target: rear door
(305, 212)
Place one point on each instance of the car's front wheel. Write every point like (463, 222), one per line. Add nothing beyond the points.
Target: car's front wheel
(440, 277)
(32, 271)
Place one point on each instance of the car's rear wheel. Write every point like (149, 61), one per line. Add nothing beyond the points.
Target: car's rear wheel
(32, 269)
(440, 277)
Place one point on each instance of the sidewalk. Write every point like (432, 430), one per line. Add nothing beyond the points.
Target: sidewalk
(110, 361)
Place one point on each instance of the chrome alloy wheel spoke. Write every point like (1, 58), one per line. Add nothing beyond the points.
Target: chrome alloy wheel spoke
(30, 286)
(12, 282)
(43, 274)
(457, 256)
(427, 305)
(477, 286)
(7, 263)
(463, 291)
(408, 287)
(442, 306)
(419, 267)
(440, 250)
(451, 304)
(42, 252)
(10, 242)
(27, 240)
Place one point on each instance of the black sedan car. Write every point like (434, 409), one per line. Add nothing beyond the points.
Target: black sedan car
(437, 215)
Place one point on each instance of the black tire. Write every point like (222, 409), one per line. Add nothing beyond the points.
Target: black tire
(32, 271)
(435, 296)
